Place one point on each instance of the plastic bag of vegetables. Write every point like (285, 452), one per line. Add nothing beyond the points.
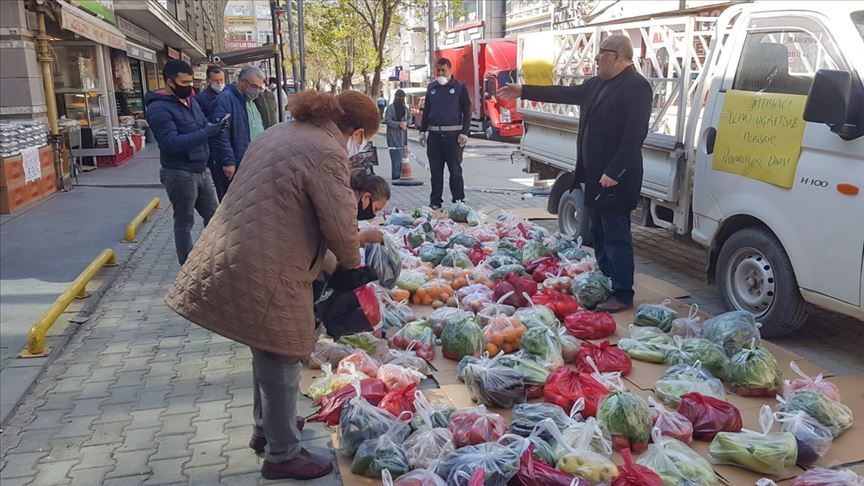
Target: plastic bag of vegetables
(676, 463)
(709, 415)
(395, 376)
(456, 259)
(361, 361)
(507, 247)
(496, 464)
(608, 358)
(732, 331)
(329, 352)
(562, 305)
(586, 324)
(428, 414)
(501, 272)
(435, 292)
(580, 460)
(543, 344)
(560, 283)
(541, 268)
(533, 472)
(611, 380)
(442, 317)
(526, 416)
(462, 213)
(399, 402)
(627, 418)
(401, 219)
(418, 336)
(542, 448)
(519, 289)
(681, 379)
(533, 372)
(432, 253)
(821, 476)
(671, 423)
(462, 239)
(381, 453)
(384, 259)
(754, 372)
(474, 297)
(591, 289)
(499, 260)
(570, 346)
(813, 438)
(689, 351)
(766, 452)
(490, 311)
(533, 250)
(536, 315)
(565, 386)
(365, 341)
(687, 327)
(656, 315)
(427, 446)
(417, 477)
(329, 382)
(361, 421)
(462, 338)
(836, 416)
(493, 384)
(632, 474)
(806, 382)
(502, 333)
(646, 344)
(406, 359)
(371, 389)
(411, 279)
(475, 425)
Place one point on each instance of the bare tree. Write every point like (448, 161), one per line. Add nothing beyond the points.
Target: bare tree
(378, 15)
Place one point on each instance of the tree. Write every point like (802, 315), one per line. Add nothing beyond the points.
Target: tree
(337, 42)
(378, 16)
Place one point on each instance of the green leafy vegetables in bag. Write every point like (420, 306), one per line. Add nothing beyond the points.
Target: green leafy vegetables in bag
(627, 418)
(836, 416)
(502, 271)
(462, 338)
(676, 463)
(432, 253)
(533, 249)
(657, 315)
(680, 379)
(765, 453)
(646, 344)
(732, 331)
(689, 351)
(754, 372)
(591, 288)
(385, 452)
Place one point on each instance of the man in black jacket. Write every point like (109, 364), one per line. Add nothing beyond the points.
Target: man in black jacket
(615, 107)
(447, 118)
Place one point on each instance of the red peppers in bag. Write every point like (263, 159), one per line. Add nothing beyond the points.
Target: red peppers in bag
(534, 472)
(586, 324)
(632, 474)
(709, 415)
(520, 286)
(566, 385)
(562, 305)
(608, 358)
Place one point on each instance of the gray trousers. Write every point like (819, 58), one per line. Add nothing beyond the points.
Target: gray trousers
(276, 386)
(188, 192)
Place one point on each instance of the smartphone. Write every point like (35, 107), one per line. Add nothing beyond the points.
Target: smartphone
(225, 117)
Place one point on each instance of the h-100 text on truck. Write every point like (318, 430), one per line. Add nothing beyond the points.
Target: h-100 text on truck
(755, 148)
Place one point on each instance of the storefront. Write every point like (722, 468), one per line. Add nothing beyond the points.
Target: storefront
(135, 73)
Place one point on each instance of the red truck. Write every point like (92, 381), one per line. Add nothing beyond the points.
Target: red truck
(484, 65)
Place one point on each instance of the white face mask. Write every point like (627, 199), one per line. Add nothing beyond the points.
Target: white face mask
(217, 87)
(442, 80)
(354, 148)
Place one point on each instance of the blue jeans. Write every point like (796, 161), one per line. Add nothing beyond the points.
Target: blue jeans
(188, 192)
(613, 249)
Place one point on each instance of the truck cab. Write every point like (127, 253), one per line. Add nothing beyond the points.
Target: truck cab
(774, 246)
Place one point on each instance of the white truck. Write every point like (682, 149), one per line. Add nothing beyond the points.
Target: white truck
(772, 249)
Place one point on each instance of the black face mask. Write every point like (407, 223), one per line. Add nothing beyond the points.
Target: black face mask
(182, 92)
(364, 214)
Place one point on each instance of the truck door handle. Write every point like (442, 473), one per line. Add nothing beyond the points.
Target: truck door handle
(711, 136)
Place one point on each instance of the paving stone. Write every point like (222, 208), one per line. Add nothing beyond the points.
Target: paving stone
(241, 461)
(238, 437)
(211, 410)
(95, 390)
(76, 427)
(114, 360)
(151, 399)
(88, 477)
(66, 449)
(111, 433)
(48, 420)
(160, 368)
(127, 481)
(86, 407)
(16, 481)
(111, 413)
(214, 392)
(130, 464)
(98, 456)
(139, 439)
(207, 453)
(172, 447)
(143, 419)
(177, 424)
(247, 479)
(58, 401)
(203, 476)
(53, 473)
(242, 397)
(130, 378)
(167, 471)
(38, 440)
(21, 465)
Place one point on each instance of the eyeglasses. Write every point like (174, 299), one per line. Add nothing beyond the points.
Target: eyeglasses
(608, 50)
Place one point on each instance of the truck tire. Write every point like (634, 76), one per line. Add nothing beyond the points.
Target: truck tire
(573, 217)
(754, 274)
(491, 132)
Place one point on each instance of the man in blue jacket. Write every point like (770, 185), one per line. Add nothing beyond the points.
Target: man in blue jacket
(182, 131)
(215, 85)
(245, 124)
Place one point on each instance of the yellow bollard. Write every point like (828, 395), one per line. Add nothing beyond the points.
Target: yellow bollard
(36, 337)
(132, 227)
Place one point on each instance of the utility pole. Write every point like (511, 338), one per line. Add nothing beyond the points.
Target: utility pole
(277, 57)
(293, 52)
(301, 44)
(430, 28)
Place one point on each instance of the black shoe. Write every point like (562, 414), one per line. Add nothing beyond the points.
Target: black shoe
(258, 442)
(435, 207)
(613, 305)
(303, 467)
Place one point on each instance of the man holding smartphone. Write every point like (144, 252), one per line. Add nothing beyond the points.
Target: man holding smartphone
(182, 131)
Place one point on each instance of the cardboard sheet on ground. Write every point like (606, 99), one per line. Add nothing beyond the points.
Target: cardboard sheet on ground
(661, 287)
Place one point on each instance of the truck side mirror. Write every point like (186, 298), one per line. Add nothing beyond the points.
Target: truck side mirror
(834, 100)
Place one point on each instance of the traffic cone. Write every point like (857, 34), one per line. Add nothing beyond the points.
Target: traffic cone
(406, 175)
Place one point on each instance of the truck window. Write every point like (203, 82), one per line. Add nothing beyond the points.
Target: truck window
(783, 55)
(858, 19)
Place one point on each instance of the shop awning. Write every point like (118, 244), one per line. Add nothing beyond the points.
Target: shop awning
(142, 53)
(86, 25)
(150, 15)
(231, 58)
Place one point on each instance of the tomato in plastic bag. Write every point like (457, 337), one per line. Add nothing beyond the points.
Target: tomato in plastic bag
(477, 255)
(472, 426)
(709, 415)
(669, 422)
(562, 305)
(586, 324)
(373, 390)
(520, 286)
(534, 472)
(632, 474)
(607, 357)
(540, 268)
(565, 386)
(398, 401)
(362, 362)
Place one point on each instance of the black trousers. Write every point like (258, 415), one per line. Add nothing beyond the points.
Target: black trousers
(613, 249)
(219, 181)
(443, 149)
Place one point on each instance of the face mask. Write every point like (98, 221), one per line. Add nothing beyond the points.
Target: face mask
(182, 92)
(252, 93)
(272, 87)
(364, 214)
(442, 80)
(353, 147)
(217, 87)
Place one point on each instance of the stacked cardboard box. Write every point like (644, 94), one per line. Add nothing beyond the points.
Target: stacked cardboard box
(15, 194)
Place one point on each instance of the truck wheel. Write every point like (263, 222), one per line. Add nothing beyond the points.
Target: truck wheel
(573, 217)
(755, 275)
(491, 132)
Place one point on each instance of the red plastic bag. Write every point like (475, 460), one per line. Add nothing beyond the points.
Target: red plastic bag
(562, 305)
(540, 267)
(398, 401)
(369, 303)
(565, 385)
(632, 474)
(362, 362)
(709, 415)
(534, 472)
(520, 286)
(586, 324)
(472, 426)
(373, 390)
(477, 255)
(607, 357)
(669, 422)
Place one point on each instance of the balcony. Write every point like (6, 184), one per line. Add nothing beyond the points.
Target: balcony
(151, 15)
